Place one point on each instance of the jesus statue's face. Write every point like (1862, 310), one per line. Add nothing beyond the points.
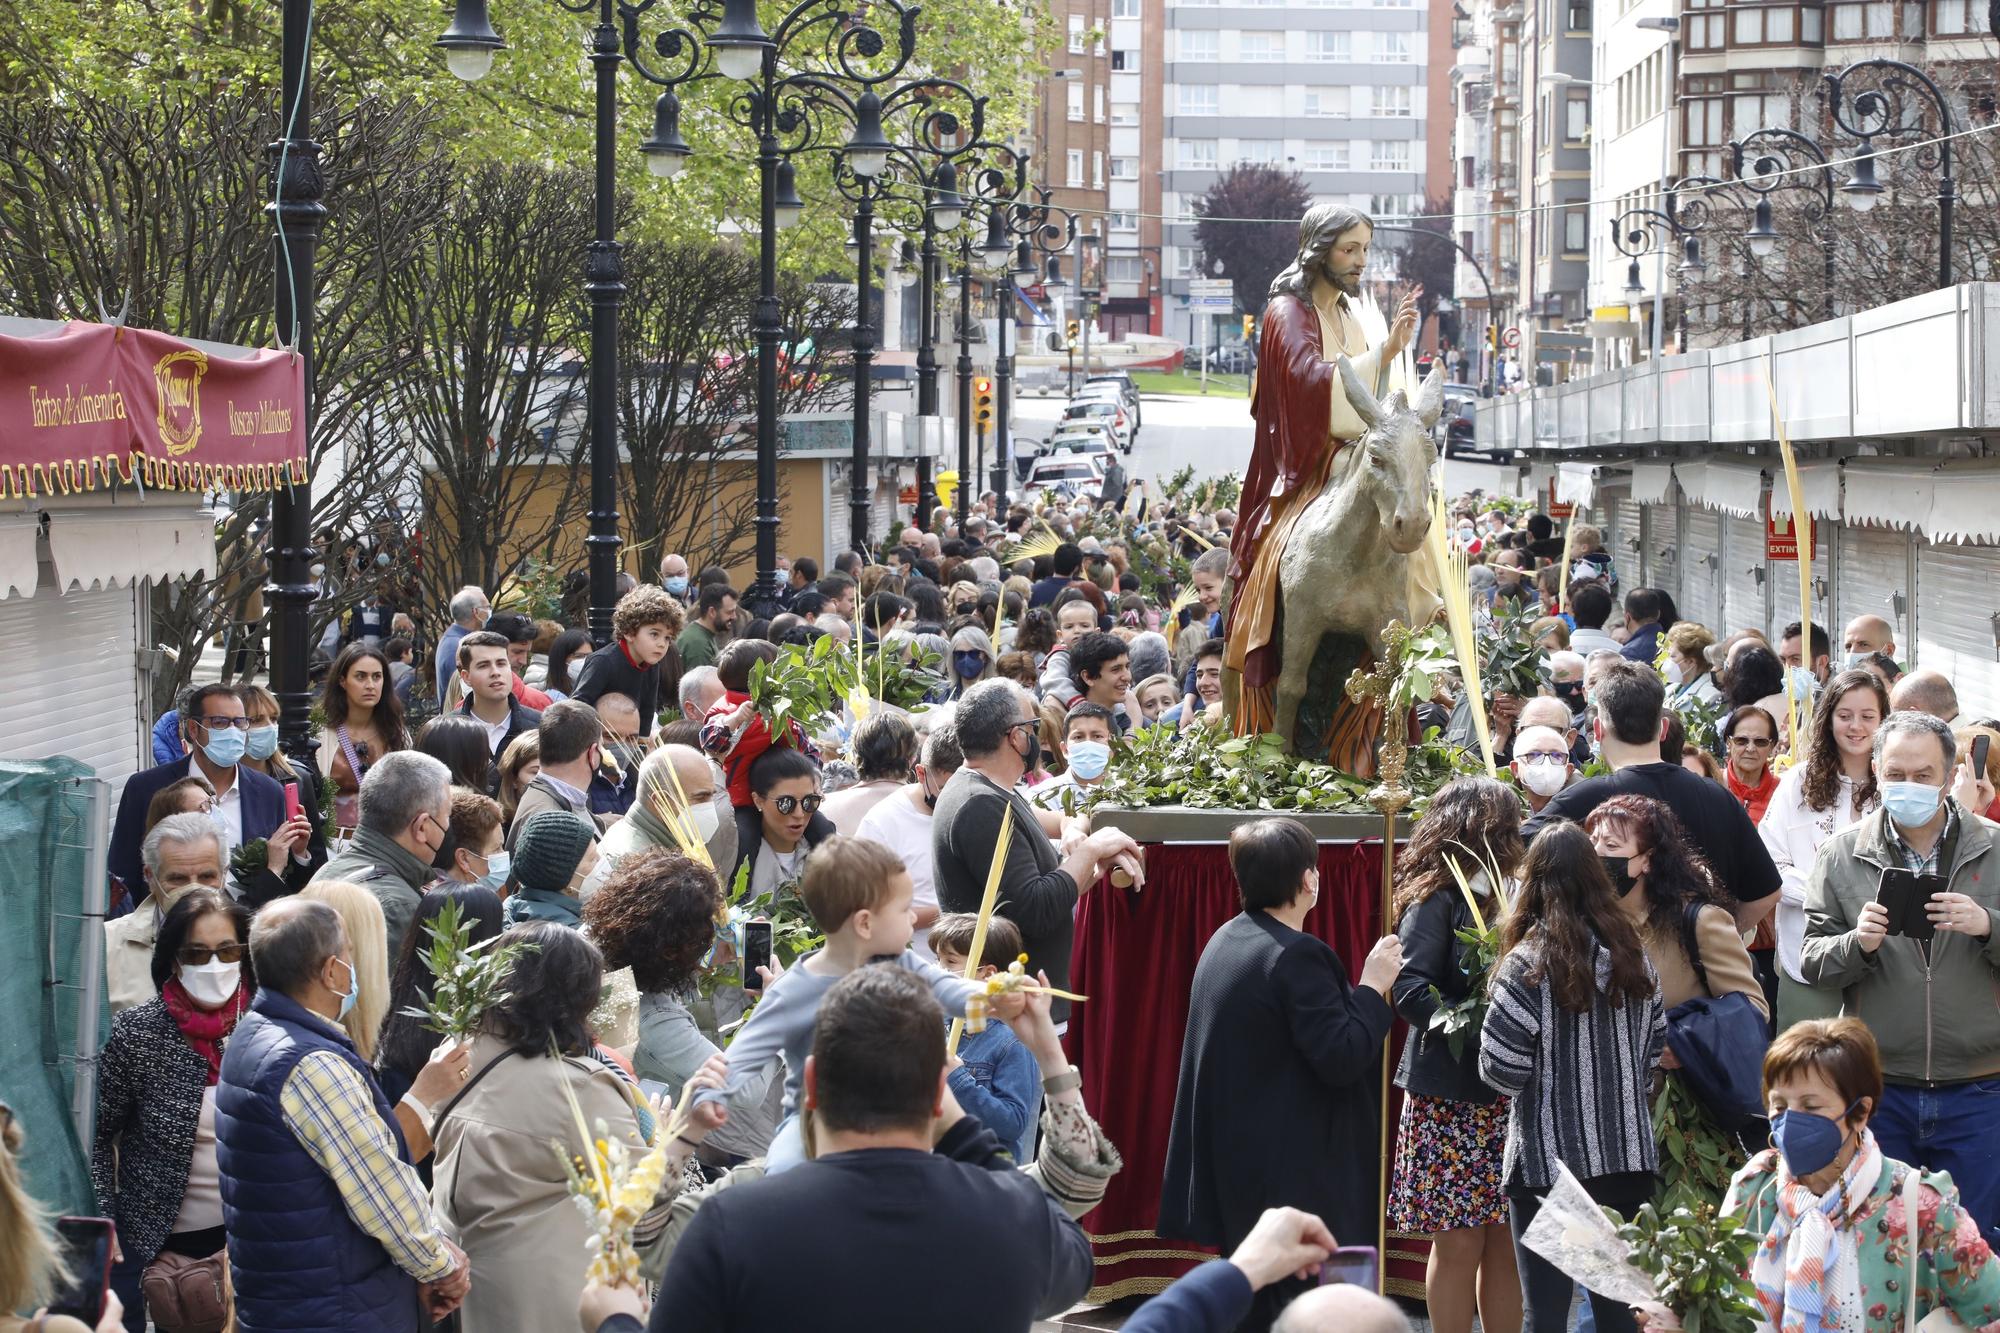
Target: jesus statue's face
(1348, 259)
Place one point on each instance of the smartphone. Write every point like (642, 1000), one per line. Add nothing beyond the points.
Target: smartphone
(756, 952)
(1905, 895)
(85, 1243)
(1980, 744)
(653, 1091)
(1353, 1266)
(292, 807)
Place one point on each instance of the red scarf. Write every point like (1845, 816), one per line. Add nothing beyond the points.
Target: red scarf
(205, 1029)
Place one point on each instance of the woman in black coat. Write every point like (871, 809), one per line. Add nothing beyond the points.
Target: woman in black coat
(1453, 1133)
(1276, 1086)
(153, 1161)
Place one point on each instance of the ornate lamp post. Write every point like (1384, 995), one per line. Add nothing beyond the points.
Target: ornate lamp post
(1652, 231)
(1040, 232)
(1881, 111)
(1769, 162)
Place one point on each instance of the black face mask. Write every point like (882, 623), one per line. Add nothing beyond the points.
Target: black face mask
(1620, 870)
(1033, 759)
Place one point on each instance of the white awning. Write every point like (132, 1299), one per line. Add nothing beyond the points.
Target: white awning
(1651, 482)
(1819, 480)
(18, 574)
(1732, 484)
(106, 547)
(1576, 483)
(1892, 492)
(1965, 503)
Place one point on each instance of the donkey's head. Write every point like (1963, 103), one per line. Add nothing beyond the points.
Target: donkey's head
(1400, 455)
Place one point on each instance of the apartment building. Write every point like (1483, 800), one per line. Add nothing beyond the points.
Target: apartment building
(1632, 155)
(1336, 89)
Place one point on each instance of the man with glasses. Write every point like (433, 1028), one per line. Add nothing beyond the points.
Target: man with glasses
(1541, 765)
(248, 805)
(998, 726)
(405, 819)
(181, 852)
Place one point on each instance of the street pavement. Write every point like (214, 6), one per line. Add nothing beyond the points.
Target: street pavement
(1213, 434)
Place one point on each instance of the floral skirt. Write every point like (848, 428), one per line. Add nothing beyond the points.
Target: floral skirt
(1447, 1172)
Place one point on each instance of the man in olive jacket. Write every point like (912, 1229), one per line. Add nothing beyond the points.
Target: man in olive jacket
(1930, 1003)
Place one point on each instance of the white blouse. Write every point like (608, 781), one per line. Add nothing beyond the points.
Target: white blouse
(1794, 833)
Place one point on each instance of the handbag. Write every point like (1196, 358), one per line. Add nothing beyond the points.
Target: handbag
(185, 1294)
(1720, 1041)
(1942, 1319)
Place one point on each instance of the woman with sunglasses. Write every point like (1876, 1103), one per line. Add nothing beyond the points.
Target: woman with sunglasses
(153, 1160)
(782, 823)
(1833, 788)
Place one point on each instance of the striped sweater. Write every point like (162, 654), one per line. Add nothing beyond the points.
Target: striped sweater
(1580, 1083)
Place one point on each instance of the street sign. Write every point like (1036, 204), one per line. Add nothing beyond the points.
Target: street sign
(1211, 287)
(1512, 337)
(1781, 536)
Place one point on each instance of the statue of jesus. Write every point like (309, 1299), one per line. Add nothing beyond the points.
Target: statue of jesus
(1303, 420)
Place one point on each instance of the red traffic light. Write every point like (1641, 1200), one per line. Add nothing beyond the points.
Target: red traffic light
(982, 385)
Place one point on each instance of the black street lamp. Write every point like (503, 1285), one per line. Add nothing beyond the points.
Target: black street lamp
(1040, 232)
(979, 186)
(1652, 231)
(1882, 110)
(1769, 162)
(832, 48)
(470, 45)
(296, 202)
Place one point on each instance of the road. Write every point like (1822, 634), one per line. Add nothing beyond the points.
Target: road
(1213, 435)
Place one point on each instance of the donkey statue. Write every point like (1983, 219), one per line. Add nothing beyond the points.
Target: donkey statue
(1347, 568)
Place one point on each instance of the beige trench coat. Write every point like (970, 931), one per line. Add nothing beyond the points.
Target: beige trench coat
(502, 1194)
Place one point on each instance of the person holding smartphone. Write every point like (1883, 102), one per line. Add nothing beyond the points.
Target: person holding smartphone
(1929, 1003)
(31, 1253)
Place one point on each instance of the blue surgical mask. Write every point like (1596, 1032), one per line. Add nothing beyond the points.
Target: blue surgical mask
(225, 747)
(497, 866)
(1807, 1142)
(968, 665)
(1089, 759)
(1911, 804)
(1800, 683)
(677, 585)
(260, 743)
(353, 991)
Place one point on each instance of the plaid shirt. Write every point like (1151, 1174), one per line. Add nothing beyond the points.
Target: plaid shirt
(1926, 863)
(329, 1108)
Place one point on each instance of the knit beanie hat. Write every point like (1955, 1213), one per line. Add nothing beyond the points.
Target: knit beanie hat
(549, 849)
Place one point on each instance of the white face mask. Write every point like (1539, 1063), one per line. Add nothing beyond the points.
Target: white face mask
(706, 819)
(211, 984)
(1674, 672)
(1544, 779)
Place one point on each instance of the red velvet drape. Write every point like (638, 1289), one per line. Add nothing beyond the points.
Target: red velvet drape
(1135, 958)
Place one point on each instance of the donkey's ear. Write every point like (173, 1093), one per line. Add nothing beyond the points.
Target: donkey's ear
(1358, 397)
(1430, 397)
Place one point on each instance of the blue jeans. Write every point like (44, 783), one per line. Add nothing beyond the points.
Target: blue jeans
(1949, 1129)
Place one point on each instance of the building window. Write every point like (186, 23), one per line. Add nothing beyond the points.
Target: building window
(1576, 119)
(1125, 61)
(1076, 34)
(1124, 268)
(1575, 225)
(1953, 18)
(1183, 261)
(1075, 93)
(1857, 19)
(1123, 221)
(1124, 168)
(1075, 175)
(1385, 102)
(1124, 9)
(1326, 102)
(1198, 99)
(1124, 113)
(1391, 48)
(1198, 45)
(1197, 155)
(1262, 48)
(1326, 157)
(1328, 46)
(1262, 152)
(1389, 155)
(1705, 33)
(1097, 104)
(1097, 171)
(1578, 15)
(1257, 100)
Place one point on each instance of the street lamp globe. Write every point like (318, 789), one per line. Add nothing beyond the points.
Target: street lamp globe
(1055, 281)
(997, 246)
(1862, 189)
(470, 42)
(868, 150)
(1691, 265)
(1763, 237)
(948, 206)
(1024, 263)
(740, 41)
(789, 207)
(665, 151)
(1634, 289)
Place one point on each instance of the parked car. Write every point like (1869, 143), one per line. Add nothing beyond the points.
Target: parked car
(1230, 358)
(1066, 442)
(1069, 475)
(1105, 409)
(1128, 391)
(1459, 439)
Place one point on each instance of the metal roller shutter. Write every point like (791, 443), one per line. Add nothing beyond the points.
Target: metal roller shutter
(1700, 597)
(1785, 586)
(1874, 573)
(1621, 538)
(87, 643)
(1956, 602)
(1742, 564)
(1659, 568)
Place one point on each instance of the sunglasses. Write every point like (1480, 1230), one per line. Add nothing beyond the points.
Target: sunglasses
(1751, 742)
(200, 955)
(786, 805)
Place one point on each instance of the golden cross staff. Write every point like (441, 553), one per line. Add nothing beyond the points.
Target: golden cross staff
(1799, 720)
(1389, 796)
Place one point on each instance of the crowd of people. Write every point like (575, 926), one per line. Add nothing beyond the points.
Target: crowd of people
(1667, 888)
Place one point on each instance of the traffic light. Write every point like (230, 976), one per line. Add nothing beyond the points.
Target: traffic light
(982, 399)
(1074, 329)
(1249, 326)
